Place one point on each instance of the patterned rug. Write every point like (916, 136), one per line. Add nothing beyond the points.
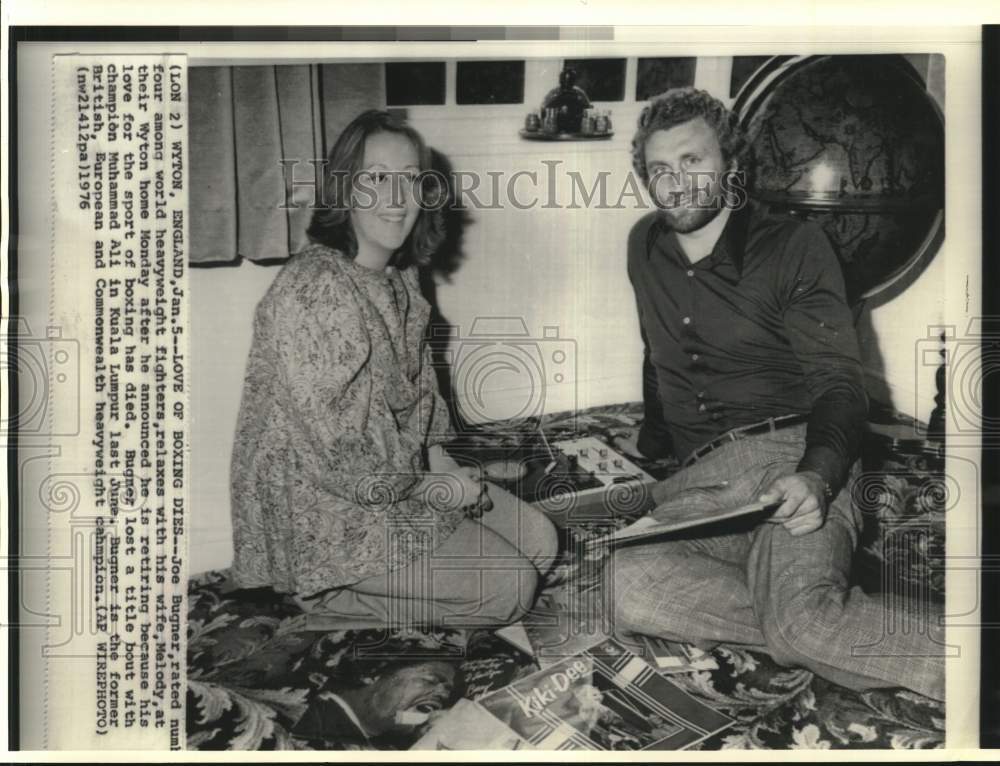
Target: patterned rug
(256, 680)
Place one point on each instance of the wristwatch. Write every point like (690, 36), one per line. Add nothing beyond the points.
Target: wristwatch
(828, 492)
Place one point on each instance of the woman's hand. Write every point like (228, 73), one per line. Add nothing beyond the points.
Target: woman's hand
(449, 485)
(626, 440)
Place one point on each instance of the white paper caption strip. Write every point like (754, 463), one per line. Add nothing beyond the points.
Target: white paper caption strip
(115, 664)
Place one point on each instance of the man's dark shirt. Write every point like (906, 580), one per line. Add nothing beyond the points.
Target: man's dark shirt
(759, 328)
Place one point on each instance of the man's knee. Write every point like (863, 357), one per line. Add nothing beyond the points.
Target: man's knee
(799, 625)
(629, 589)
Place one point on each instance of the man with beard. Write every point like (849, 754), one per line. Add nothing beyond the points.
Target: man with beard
(752, 378)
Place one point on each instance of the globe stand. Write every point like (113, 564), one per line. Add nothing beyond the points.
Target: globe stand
(936, 424)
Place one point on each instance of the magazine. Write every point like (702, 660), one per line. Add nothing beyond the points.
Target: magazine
(558, 628)
(670, 657)
(648, 526)
(550, 643)
(605, 698)
(468, 726)
(517, 636)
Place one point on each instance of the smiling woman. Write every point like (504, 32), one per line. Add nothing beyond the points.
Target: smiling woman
(343, 494)
(390, 166)
(370, 209)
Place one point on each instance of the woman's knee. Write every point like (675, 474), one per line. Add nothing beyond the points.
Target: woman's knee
(525, 527)
(540, 539)
(507, 595)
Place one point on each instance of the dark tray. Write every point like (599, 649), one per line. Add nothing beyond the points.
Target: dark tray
(538, 135)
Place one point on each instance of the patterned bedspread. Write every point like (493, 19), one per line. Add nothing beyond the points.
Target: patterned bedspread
(253, 672)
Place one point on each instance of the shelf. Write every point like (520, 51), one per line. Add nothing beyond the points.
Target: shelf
(538, 135)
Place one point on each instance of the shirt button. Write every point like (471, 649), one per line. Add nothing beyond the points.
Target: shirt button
(701, 408)
(690, 272)
(701, 394)
(716, 416)
(694, 357)
(686, 320)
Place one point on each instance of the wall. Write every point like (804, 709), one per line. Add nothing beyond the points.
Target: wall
(562, 269)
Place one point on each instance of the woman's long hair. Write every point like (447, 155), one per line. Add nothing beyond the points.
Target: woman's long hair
(331, 224)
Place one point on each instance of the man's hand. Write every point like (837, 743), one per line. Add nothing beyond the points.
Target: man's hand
(451, 485)
(803, 502)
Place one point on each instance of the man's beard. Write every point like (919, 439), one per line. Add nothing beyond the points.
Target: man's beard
(684, 220)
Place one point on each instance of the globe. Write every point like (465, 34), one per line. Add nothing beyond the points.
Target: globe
(856, 144)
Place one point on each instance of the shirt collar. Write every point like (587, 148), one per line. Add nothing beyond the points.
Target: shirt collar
(730, 246)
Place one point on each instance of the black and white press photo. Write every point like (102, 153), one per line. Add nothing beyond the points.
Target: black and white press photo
(458, 321)
(572, 390)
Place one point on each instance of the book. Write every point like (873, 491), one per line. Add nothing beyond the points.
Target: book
(604, 698)
(649, 526)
